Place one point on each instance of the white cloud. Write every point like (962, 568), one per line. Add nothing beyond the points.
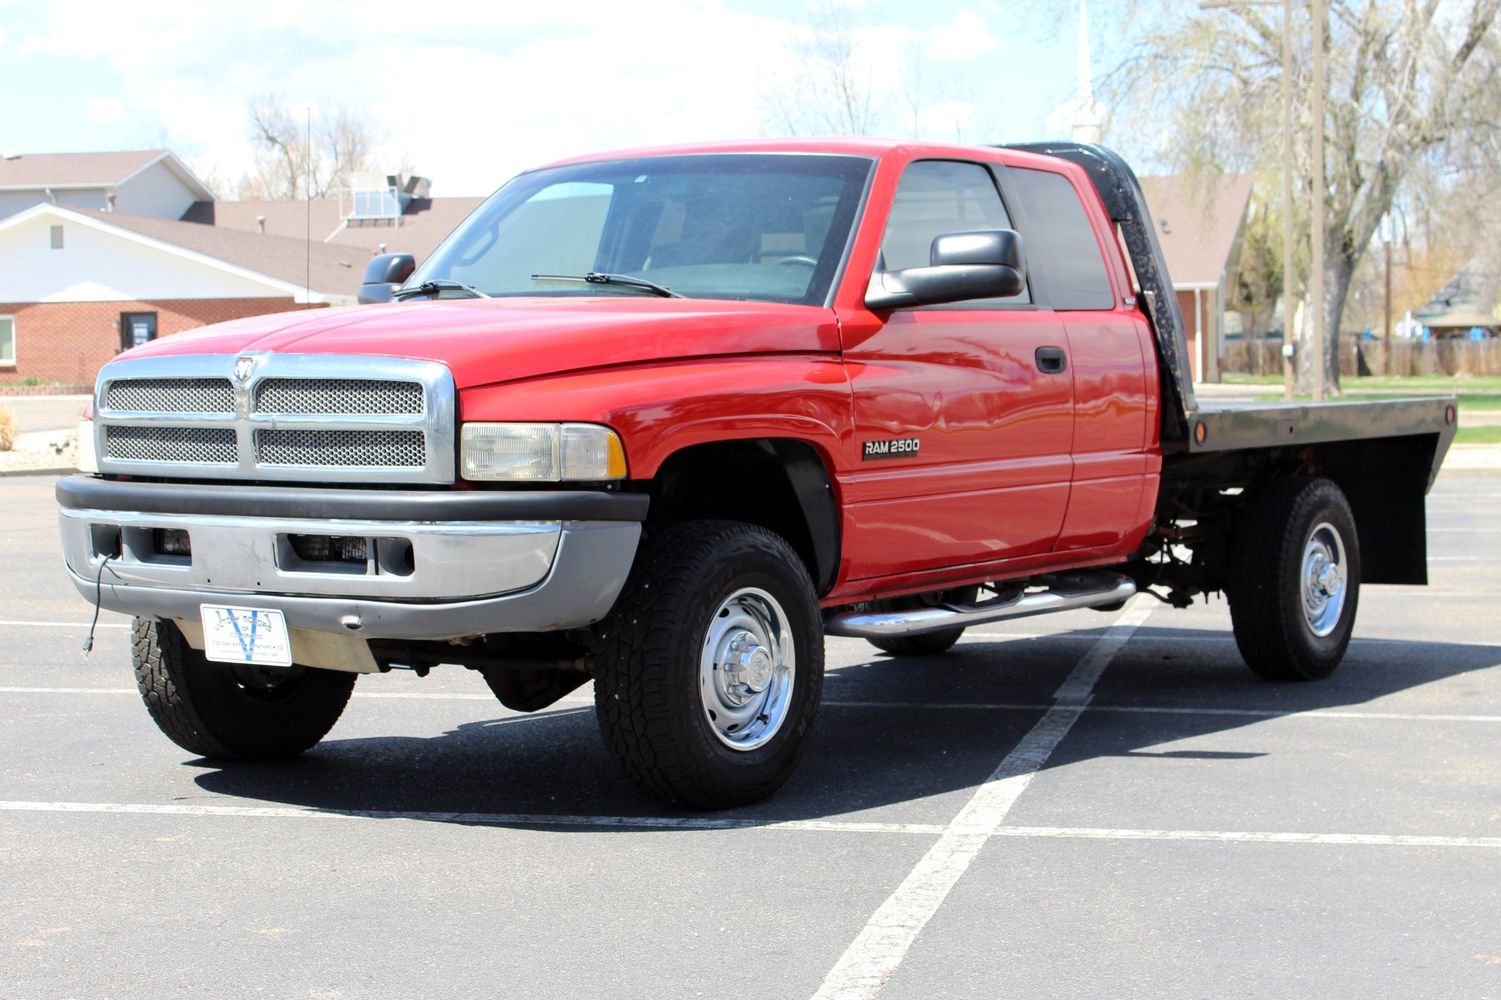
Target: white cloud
(105, 110)
(474, 96)
(965, 37)
(474, 92)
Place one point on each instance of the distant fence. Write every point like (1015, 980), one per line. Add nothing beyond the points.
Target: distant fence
(1436, 357)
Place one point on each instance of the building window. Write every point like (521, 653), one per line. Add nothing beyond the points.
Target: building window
(57, 237)
(7, 341)
(136, 329)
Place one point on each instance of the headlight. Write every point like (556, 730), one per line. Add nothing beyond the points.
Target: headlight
(540, 453)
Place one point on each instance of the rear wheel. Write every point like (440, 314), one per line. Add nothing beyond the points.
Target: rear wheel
(712, 664)
(929, 643)
(1295, 580)
(227, 711)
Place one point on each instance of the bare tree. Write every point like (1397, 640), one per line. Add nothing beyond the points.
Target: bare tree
(297, 159)
(1411, 88)
(829, 93)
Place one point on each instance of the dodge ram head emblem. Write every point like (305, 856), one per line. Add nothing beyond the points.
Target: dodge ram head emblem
(244, 367)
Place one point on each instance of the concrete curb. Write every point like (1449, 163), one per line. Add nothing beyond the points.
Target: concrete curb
(1473, 456)
(59, 471)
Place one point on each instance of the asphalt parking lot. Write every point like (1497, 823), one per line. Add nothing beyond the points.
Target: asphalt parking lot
(1090, 805)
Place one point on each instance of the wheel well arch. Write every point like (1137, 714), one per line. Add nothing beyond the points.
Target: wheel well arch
(782, 484)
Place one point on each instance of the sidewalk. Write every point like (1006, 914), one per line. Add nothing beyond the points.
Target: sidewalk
(41, 453)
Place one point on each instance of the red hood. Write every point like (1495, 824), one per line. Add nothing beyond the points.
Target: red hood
(483, 341)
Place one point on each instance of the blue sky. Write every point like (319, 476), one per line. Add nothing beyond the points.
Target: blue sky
(469, 94)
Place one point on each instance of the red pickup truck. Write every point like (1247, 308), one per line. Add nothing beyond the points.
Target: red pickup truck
(664, 419)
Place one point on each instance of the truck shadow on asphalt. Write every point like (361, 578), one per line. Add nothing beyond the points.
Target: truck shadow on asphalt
(900, 732)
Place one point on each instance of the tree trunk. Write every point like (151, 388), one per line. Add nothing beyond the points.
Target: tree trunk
(1340, 275)
(1339, 272)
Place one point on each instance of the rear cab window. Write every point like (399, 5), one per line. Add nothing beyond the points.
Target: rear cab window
(1059, 242)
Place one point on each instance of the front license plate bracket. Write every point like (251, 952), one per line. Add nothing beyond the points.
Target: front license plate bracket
(255, 636)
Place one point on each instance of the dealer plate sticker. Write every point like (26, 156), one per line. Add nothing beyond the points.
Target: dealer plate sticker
(245, 635)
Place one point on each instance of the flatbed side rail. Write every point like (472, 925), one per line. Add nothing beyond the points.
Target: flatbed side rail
(1233, 426)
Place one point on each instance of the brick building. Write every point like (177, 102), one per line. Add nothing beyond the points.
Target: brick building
(104, 250)
(80, 286)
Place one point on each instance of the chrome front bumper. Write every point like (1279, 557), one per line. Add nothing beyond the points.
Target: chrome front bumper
(441, 565)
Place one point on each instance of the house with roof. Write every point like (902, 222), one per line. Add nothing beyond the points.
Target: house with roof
(81, 285)
(107, 250)
(1467, 307)
(150, 182)
(1200, 221)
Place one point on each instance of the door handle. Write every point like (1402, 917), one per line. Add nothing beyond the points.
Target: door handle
(1051, 360)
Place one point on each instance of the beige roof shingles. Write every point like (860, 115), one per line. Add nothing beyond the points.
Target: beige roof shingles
(422, 228)
(61, 170)
(333, 270)
(1198, 220)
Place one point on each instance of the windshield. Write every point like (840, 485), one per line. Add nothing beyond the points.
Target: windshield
(762, 226)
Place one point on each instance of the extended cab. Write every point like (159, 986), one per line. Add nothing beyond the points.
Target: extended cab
(664, 419)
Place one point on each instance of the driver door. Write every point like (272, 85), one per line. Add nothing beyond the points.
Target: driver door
(963, 412)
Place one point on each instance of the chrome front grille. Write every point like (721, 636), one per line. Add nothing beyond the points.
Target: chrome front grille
(170, 444)
(287, 417)
(338, 396)
(342, 449)
(171, 395)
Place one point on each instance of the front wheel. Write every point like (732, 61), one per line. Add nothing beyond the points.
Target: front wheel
(229, 712)
(1295, 580)
(711, 665)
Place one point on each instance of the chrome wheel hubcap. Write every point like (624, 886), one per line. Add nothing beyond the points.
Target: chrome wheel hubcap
(746, 669)
(1323, 579)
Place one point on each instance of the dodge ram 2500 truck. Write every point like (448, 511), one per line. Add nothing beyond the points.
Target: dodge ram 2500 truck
(665, 419)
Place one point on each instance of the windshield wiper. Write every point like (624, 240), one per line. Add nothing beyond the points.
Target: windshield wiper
(436, 285)
(605, 278)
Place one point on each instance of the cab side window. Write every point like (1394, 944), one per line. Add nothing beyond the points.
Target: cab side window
(937, 197)
(1064, 249)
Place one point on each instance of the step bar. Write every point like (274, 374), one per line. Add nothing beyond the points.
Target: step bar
(1060, 592)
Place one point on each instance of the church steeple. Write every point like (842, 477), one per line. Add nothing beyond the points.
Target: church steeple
(1082, 118)
(1086, 126)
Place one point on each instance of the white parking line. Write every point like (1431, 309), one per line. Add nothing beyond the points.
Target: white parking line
(710, 823)
(866, 965)
(478, 818)
(970, 706)
(80, 626)
(1249, 837)
(1252, 713)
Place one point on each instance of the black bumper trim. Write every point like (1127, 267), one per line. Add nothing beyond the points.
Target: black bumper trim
(88, 493)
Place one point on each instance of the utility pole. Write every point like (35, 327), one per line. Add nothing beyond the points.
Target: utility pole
(1316, 291)
(1386, 325)
(1287, 197)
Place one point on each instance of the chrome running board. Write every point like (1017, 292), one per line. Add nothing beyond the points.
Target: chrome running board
(1058, 592)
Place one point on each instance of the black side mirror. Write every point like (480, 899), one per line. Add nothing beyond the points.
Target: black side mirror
(983, 264)
(384, 274)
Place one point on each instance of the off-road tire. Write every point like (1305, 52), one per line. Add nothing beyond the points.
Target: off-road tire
(929, 643)
(649, 668)
(1268, 559)
(206, 709)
